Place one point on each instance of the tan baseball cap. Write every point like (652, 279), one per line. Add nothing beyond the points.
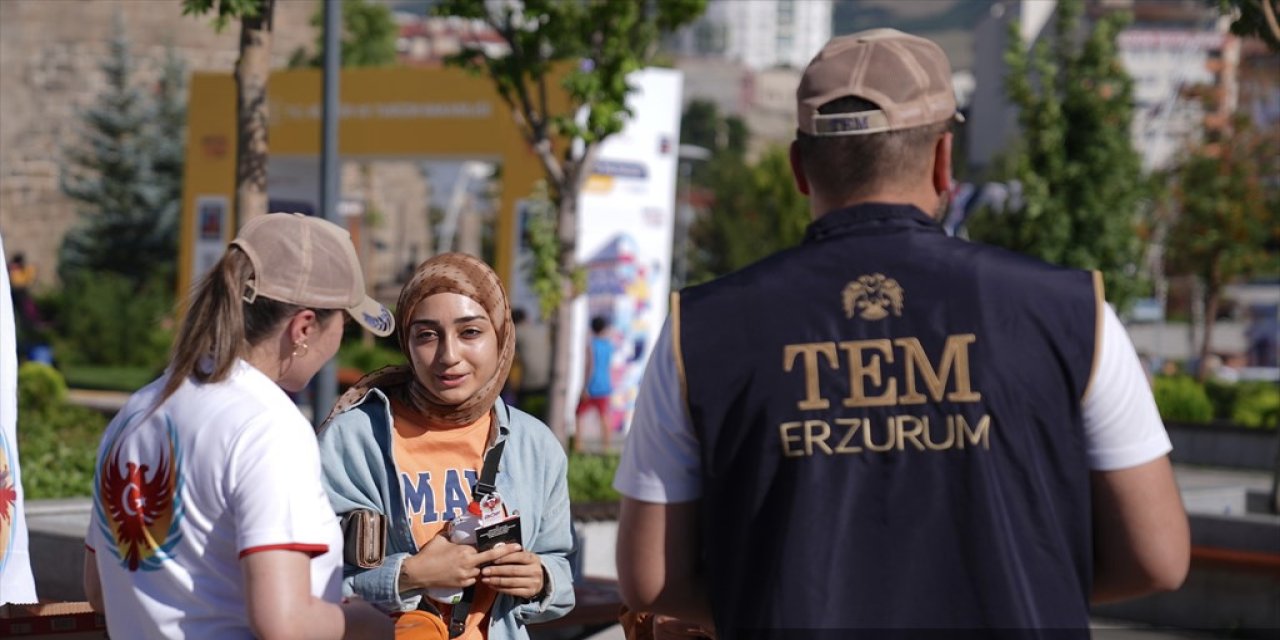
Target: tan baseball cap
(309, 262)
(908, 77)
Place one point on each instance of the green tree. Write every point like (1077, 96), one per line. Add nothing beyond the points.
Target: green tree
(703, 125)
(1259, 18)
(252, 71)
(601, 41)
(1081, 178)
(1225, 218)
(1256, 18)
(368, 37)
(121, 181)
(755, 211)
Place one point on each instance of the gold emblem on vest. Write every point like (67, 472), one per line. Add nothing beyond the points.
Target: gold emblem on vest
(872, 296)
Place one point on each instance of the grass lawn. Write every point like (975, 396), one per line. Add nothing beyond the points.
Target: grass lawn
(108, 378)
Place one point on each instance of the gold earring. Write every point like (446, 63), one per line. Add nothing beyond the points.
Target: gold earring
(300, 349)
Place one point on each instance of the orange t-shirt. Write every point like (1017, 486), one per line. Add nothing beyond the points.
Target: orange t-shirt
(438, 466)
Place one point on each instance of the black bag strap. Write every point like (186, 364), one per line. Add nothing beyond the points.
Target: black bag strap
(485, 487)
(458, 616)
(489, 472)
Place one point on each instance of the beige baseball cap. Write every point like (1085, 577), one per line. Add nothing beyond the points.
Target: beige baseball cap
(908, 77)
(309, 262)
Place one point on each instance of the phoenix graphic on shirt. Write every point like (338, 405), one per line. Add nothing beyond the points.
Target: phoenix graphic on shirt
(138, 503)
(8, 500)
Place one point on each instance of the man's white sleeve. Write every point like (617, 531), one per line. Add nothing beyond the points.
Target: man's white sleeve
(1122, 426)
(660, 460)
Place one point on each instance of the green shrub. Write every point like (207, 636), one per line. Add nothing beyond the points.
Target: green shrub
(1223, 396)
(366, 358)
(1182, 399)
(57, 441)
(102, 320)
(534, 404)
(40, 388)
(591, 477)
(1257, 404)
(58, 449)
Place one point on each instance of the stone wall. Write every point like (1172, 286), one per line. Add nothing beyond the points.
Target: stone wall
(49, 57)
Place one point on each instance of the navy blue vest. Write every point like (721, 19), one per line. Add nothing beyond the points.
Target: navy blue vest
(891, 433)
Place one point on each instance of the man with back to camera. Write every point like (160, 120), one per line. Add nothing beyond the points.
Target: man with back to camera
(887, 428)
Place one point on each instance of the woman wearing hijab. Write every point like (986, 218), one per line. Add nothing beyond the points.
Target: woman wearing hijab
(209, 519)
(410, 443)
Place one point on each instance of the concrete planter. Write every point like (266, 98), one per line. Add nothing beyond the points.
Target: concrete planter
(1216, 445)
(1234, 584)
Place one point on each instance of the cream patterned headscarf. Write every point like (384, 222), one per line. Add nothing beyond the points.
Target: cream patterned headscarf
(446, 273)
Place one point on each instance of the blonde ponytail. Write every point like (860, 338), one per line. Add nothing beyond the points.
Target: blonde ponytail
(221, 326)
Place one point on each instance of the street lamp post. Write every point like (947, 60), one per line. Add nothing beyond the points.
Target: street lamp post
(325, 387)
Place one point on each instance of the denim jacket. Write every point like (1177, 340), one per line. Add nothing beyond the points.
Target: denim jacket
(359, 472)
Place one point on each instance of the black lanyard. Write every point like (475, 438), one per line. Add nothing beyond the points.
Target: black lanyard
(483, 488)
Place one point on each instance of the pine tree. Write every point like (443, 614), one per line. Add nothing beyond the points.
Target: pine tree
(1082, 183)
(166, 142)
(117, 264)
(113, 178)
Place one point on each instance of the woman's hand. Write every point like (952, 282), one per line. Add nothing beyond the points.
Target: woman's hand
(441, 563)
(517, 572)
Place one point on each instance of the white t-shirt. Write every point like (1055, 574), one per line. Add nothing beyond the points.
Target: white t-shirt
(660, 462)
(183, 493)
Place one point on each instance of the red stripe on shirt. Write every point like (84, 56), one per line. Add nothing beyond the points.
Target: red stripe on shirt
(91, 549)
(312, 550)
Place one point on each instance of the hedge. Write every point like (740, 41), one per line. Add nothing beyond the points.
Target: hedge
(57, 441)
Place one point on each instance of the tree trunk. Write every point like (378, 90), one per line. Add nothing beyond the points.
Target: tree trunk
(1196, 310)
(574, 174)
(562, 329)
(1212, 293)
(252, 71)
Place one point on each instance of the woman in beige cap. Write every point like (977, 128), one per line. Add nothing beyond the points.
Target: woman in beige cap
(209, 516)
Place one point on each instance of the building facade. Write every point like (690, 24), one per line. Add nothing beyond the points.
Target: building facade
(50, 54)
(760, 34)
(1180, 57)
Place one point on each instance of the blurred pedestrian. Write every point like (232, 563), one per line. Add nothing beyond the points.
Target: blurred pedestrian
(22, 278)
(597, 391)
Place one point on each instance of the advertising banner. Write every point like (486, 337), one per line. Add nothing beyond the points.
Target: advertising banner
(626, 217)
